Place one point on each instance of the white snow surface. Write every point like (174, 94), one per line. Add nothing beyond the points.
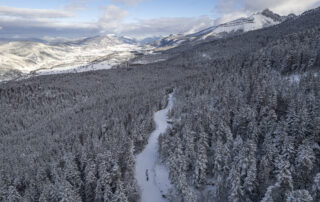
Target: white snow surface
(158, 184)
(36, 58)
(71, 69)
(254, 22)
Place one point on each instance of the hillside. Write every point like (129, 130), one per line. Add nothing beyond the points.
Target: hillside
(263, 19)
(25, 57)
(242, 128)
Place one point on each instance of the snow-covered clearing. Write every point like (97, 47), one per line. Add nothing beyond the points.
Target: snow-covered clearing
(71, 69)
(156, 187)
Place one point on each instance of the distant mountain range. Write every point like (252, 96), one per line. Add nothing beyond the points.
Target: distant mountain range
(256, 21)
(36, 56)
(24, 57)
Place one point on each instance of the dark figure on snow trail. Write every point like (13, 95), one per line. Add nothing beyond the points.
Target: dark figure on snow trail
(147, 175)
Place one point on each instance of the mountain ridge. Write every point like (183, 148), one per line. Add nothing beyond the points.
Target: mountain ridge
(30, 56)
(256, 21)
(23, 57)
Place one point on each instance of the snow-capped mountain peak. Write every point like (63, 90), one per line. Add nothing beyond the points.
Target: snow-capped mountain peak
(256, 21)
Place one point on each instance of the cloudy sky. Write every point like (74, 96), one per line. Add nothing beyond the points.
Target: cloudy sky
(135, 18)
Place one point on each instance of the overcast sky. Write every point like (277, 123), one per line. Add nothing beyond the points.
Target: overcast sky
(135, 18)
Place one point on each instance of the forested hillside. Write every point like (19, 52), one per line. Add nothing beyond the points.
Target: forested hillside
(248, 129)
(74, 137)
(243, 129)
(248, 134)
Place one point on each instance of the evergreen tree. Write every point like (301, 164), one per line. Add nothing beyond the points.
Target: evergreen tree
(201, 160)
(250, 181)
(234, 181)
(305, 162)
(299, 196)
(13, 195)
(68, 193)
(316, 188)
(119, 195)
(49, 193)
(91, 181)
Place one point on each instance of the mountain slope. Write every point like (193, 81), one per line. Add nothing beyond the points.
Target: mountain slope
(24, 57)
(256, 21)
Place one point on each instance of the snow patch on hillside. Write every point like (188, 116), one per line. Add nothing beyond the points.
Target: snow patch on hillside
(71, 69)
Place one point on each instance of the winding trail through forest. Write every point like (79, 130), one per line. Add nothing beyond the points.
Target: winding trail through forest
(151, 175)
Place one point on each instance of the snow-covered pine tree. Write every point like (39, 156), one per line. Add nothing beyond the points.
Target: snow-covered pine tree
(119, 195)
(250, 181)
(201, 160)
(299, 196)
(91, 181)
(13, 195)
(67, 192)
(316, 188)
(304, 163)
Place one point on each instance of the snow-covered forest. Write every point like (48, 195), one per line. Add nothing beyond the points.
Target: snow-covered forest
(245, 135)
(242, 128)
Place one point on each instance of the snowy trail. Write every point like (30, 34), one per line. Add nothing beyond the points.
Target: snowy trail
(158, 183)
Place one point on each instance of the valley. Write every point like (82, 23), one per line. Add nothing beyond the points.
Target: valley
(230, 113)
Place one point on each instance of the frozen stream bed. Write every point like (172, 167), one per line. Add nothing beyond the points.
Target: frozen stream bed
(151, 175)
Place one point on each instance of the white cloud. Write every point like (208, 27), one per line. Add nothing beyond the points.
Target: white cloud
(113, 17)
(295, 6)
(113, 21)
(232, 16)
(283, 7)
(39, 27)
(75, 7)
(39, 23)
(163, 26)
(34, 13)
(128, 2)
